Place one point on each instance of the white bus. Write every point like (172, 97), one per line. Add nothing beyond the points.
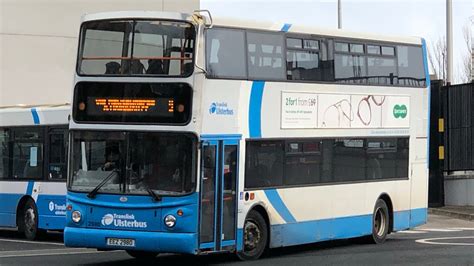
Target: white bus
(33, 154)
(235, 136)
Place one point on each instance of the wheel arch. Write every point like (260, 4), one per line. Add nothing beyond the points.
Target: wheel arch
(385, 197)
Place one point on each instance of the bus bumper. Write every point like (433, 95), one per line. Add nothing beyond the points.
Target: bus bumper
(146, 241)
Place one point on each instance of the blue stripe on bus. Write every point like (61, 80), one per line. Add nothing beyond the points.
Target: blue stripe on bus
(401, 220)
(336, 228)
(255, 109)
(221, 136)
(240, 239)
(8, 208)
(425, 62)
(286, 27)
(48, 219)
(418, 217)
(35, 115)
(428, 85)
(51, 218)
(29, 189)
(279, 205)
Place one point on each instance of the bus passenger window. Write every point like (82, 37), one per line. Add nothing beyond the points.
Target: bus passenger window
(381, 70)
(4, 154)
(28, 153)
(350, 68)
(410, 66)
(265, 56)
(57, 155)
(225, 53)
(264, 164)
(303, 65)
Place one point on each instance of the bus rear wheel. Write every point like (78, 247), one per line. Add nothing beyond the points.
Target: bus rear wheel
(143, 255)
(380, 223)
(255, 237)
(28, 222)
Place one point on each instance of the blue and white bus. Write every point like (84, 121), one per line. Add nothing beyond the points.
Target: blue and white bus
(198, 136)
(33, 161)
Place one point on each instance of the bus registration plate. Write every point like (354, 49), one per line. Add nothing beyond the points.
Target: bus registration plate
(121, 242)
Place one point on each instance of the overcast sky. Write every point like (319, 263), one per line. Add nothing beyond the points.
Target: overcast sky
(425, 18)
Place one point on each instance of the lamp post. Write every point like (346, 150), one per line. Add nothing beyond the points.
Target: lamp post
(339, 15)
(449, 41)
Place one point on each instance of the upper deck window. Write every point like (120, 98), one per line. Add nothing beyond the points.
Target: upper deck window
(302, 59)
(410, 66)
(226, 53)
(136, 47)
(265, 56)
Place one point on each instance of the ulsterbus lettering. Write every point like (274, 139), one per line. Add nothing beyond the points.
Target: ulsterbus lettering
(122, 220)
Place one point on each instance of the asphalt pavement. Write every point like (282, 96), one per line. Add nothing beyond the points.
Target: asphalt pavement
(442, 241)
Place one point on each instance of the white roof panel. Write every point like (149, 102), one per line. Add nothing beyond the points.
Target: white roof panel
(29, 116)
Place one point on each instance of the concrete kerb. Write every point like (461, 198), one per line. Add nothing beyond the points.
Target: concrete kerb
(452, 213)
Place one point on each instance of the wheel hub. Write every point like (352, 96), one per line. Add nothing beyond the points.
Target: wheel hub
(380, 222)
(252, 235)
(30, 219)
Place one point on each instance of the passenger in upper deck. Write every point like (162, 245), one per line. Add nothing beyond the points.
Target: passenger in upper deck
(133, 66)
(112, 68)
(155, 66)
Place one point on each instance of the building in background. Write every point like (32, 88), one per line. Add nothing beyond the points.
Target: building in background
(38, 44)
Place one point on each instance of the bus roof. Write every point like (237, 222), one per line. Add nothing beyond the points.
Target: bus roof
(34, 115)
(254, 24)
(137, 15)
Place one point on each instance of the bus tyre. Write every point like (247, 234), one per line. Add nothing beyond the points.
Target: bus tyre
(29, 221)
(255, 237)
(380, 223)
(142, 255)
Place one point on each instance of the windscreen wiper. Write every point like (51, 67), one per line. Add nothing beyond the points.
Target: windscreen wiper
(93, 193)
(155, 196)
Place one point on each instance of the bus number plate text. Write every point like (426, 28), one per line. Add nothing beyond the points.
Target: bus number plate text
(121, 242)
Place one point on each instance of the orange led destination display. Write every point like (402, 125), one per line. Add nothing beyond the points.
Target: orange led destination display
(116, 102)
(125, 105)
(139, 107)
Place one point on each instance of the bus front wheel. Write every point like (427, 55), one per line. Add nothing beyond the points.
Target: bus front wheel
(380, 223)
(255, 236)
(29, 221)
(144, 255)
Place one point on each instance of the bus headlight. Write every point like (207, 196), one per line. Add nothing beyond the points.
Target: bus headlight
(76, 216)
(170, 221)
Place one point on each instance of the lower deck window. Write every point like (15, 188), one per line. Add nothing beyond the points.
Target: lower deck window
(276, 163)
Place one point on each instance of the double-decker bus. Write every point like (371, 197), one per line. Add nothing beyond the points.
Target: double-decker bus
(198, 136)
(33, 160)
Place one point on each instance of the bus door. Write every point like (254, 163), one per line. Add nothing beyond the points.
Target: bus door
(218, 219)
